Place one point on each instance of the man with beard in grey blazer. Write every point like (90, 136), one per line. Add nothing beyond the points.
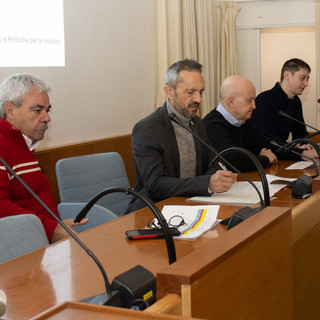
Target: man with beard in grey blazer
(169, 161)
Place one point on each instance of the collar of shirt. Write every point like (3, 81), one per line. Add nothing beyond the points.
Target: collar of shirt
(229, 117)
(183, 119)
(29, 143)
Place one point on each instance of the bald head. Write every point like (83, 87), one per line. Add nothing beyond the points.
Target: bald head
(237, 97)
(233, 86)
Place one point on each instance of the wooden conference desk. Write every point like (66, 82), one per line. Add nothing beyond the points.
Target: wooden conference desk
(239, 274)
(305, 241)
(248, 269)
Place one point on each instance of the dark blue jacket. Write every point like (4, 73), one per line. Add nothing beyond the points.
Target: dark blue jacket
(272, 125)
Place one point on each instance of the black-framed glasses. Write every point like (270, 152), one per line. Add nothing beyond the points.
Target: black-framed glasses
(175, 221)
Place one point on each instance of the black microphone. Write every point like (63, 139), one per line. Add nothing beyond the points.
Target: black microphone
(256, 163)
(290, 145)
(246, 212)
(111, 298)
(302, 187)
(157, 213)
(282, 113)
(318, 100)
(280, 148)
(286, 147)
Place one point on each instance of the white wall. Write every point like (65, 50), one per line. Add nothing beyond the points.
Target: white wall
(109, 82)
(290, 43)
(110, 78)
(275, 13)
(261, 54)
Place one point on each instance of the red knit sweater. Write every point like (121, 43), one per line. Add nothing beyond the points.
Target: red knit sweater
(14, 198)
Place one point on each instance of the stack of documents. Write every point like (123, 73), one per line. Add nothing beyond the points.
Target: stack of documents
(243, 193)
(198, 219)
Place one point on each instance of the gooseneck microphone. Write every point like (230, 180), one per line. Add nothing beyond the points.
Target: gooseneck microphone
(290, 149)
(111, 298)
(174, 118)
(302, 187)
(258, 165)
(157, 213)
(284, 114)
(290, 145)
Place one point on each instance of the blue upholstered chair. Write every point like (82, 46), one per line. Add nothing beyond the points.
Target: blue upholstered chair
(19, 235)
(80, 178)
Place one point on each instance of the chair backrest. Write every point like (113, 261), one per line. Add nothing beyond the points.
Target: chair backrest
(80, 178)
(19, 235)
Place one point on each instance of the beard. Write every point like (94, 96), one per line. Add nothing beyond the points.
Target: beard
(190, 111)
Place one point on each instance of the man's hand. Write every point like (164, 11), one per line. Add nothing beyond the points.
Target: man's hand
(306, 146)
(60, 233)
(269, 154)
(222, 181)
(310, 153)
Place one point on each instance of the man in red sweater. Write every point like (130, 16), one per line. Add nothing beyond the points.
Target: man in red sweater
(24, 118)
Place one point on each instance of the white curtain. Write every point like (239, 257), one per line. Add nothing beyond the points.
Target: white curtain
(204, 30)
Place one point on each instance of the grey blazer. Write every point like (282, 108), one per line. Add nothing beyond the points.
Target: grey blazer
(157, 163)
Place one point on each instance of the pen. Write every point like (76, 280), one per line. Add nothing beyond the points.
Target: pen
(223, 167)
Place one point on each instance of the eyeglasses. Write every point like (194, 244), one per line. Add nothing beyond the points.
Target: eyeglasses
(175, 221)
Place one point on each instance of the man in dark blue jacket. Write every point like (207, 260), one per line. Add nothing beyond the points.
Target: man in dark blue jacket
(283, 96)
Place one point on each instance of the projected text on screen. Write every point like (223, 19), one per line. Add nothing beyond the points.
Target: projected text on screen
(31, 33)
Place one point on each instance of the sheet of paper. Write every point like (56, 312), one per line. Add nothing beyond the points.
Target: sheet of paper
(198, 219)
(300, 165)
(241, 193)
(276, 179)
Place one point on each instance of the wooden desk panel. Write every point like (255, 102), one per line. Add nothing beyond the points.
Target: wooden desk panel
(306, 270)
(316, 185)
(305, 241)
(82, 311)
(245, 274)
(306, 258)
(305, 217)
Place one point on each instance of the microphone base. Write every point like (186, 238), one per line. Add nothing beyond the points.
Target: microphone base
(239, 216)
(137, 287)
(302, 187)
(105, 299)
